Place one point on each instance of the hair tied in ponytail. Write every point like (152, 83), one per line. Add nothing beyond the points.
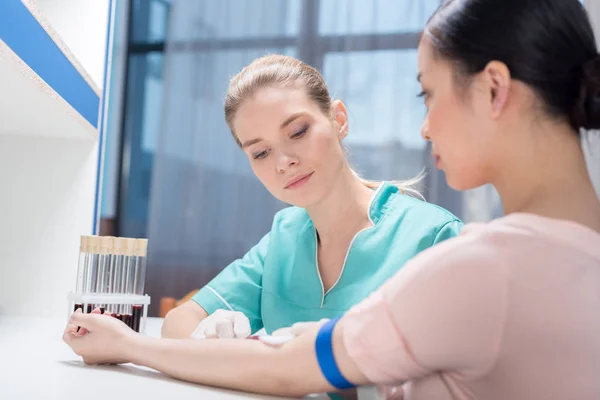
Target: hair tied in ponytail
(586, 113)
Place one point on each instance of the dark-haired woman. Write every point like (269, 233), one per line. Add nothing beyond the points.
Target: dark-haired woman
(509, 310)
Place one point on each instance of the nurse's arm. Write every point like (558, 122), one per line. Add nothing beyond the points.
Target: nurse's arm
(181, 321)
(247, 365)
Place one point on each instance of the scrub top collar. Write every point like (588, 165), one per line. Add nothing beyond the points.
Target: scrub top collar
(378, 206)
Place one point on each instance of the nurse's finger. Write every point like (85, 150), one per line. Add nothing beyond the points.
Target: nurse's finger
(224, 329)
(300, 327)
(198, 334)
(241, 326)
(283, 332)
(210, 330)
(222, 314)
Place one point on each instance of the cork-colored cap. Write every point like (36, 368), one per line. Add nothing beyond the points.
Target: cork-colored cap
(93, 245)
(118, 246)
(129, 246)
(106, 244)
(83, 244)
(141, 247)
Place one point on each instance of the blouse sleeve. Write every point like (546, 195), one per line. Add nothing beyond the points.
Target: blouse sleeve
(444, 311)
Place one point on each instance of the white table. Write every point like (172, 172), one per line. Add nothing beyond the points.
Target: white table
(36, 364)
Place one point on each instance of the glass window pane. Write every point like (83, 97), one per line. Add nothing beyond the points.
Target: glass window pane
(380, 91)
(152, 102)
(234, 19)
(143, 115)
(150, 19)
(344, 17)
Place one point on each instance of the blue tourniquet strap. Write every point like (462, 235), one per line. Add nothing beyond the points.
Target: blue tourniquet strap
(326, 359)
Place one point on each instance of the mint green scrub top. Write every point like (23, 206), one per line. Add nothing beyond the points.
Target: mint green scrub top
(277, 283)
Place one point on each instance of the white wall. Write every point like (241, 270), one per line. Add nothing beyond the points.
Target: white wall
(48, 182)
(48, 194)
(82, 25)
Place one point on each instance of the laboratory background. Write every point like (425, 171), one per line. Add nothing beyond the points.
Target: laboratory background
(157, 160)
(172, 171)
(174, 174)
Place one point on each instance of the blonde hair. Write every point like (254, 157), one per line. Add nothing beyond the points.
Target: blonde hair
(276, 70)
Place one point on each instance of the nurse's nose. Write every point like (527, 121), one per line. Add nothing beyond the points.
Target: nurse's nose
(286, 161)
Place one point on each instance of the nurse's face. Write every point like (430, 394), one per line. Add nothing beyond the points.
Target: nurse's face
(293, 147)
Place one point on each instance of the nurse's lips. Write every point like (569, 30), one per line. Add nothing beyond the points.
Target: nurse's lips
(297, 181)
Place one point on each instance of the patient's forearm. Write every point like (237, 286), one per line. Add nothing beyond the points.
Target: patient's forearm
(248, 365)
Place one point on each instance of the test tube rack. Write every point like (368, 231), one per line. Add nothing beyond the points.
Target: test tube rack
(111, 276)
(88, 300)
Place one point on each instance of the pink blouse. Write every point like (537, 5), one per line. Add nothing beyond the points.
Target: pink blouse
(508, 310)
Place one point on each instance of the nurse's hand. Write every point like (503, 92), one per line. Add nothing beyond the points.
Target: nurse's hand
(223, 324)
(298, 328)
(101, 340)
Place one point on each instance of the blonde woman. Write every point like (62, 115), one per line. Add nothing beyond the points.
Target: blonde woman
(342, 239)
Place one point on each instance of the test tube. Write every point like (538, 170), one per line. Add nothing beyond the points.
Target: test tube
(120, 276)
(91, 274)
(102, 285)
(141, 251)
(127, 276)
(81, 270)
(114, 276)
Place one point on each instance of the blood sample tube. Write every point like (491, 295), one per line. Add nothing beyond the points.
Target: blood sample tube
(141, 250)
(91, 272)
(81, 270)
(127, 276)
(102, 285)
(114, 274)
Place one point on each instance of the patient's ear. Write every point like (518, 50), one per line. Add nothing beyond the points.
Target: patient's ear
(497, 80)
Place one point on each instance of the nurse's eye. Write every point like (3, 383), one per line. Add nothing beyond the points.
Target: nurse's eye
(300, 133)
(260, 155)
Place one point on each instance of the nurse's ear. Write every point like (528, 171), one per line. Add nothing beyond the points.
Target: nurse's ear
(340, 117)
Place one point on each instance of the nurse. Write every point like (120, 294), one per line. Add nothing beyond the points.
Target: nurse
(342, 239)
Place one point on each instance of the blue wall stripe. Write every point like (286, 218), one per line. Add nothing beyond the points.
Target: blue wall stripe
(26, 37)
(102, 126)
